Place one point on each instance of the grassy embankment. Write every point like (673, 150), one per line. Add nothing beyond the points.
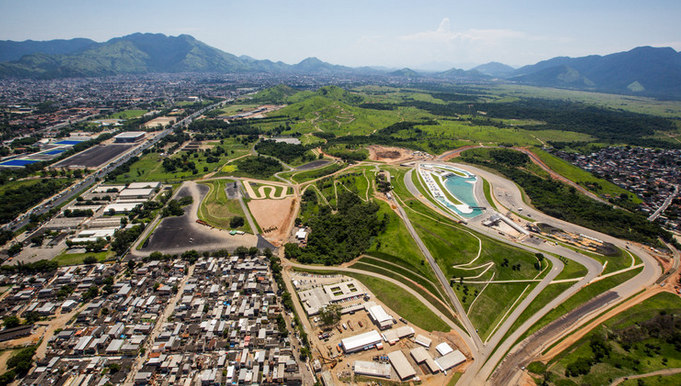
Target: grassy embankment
(217, 210)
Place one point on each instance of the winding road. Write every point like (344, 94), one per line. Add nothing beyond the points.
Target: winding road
(508, 195)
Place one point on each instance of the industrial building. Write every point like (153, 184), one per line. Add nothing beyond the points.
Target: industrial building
(372, 369)
(361, 342)
(452, 359)
(119, 208)
(379, 316)
(401, 365)
(394, 336)
(136, 193)
(129, 136)
(144, 185)
(421, 355)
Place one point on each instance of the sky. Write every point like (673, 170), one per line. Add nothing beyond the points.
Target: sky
(426, 35)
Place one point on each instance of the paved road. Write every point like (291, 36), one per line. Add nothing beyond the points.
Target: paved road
(664, 205)
(444, 282)
(244, 208)
(508, 194)
(484, 352)
(70, 192)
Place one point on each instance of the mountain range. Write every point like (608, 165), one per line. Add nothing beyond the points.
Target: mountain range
(641, 71)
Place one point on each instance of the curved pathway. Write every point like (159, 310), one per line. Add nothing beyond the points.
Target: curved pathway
(662, 372)
(509, 195)
(476, 373)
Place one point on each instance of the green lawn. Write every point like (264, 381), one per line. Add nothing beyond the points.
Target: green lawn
(487, 188)
(237, 108)
(403, 303)
(396, 241)
(300, 177)
(66, 258)
(150, 166)
(430, 293)
(127, 114)
(217, 210)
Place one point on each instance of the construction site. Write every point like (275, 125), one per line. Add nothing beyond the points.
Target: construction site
(369, 342)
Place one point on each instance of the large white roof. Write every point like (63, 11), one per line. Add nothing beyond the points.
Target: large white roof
(401, 365)
(361, 340)
(450, 360)
(373, 369)
(379, 315)
(444, 348)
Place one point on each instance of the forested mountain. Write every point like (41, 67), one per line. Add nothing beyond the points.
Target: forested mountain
(495, 69)
(11, 50)
(643, 70)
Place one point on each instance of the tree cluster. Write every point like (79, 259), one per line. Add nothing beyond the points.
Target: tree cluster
(339, 237)
(563, 202)
(263, 167)
(287, 152)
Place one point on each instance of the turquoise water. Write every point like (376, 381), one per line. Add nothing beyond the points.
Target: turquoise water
(462, 189)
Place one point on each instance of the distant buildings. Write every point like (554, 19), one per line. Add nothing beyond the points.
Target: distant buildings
(651, 174)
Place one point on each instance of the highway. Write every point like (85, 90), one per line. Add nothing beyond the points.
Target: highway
(444, 282)
(508, 195)
(70, 192)
(476, 373)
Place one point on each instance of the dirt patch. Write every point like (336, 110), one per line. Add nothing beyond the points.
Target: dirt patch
(389, 154)
(274, 217)
(160, 121)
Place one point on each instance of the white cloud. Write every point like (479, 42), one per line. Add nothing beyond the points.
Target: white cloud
(449, 46)
(444, 34)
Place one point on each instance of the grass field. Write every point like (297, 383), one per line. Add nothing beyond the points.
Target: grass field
(649, 351)
(65, 258)
(582, 177)
(396, 241)
(237, 108)
(403, 303)
(300, 177)
(487, 188)
(430, 294)
(150, 166)
(587, 293)
(127, 114)
(217, 210)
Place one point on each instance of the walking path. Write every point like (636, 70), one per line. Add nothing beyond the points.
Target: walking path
(652, 374)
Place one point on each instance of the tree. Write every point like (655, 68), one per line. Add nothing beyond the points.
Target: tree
(15, 249)
(241, 251)
(11, 321)
(236, 222)
(37, 240)
(91, 293)
(330, 315)
(90, 260)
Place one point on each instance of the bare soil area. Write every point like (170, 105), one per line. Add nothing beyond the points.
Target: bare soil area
(274, 217)
(389, 154)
